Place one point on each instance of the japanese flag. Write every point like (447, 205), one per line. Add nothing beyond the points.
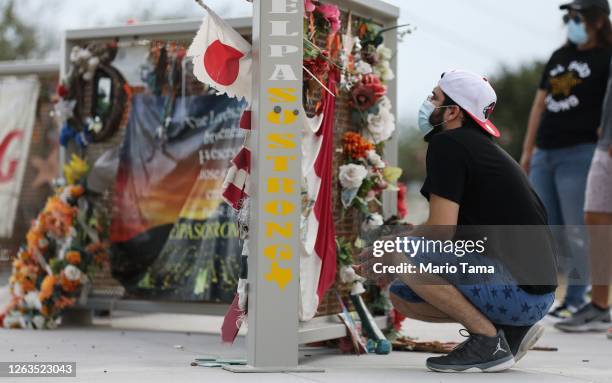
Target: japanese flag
(222, 58)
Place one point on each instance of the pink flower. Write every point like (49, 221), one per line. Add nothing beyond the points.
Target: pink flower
(309, 6)
(331, 13)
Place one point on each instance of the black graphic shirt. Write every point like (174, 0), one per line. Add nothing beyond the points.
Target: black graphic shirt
(575, 83)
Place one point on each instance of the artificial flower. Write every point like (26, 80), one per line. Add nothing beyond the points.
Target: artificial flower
(73, 257)
(17, 289)
(363, 67)
(367, 92)
(32, 300)
(381, 125)
(61, 90)
(349, 276)
(384, 71)
(319, 66)
(309, 6)
(47, 287)
(355, 146)
(14, 319)
(351, 176)
(72, 273)
(76, 169)
(331, 13)
(392, 174)
(375, 159)
(383, 53)
(384, 103)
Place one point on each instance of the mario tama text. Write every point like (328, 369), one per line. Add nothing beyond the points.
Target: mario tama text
(422, 251)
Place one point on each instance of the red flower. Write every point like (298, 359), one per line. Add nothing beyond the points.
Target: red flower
(367, 92)
(61, 90)
(318, 66)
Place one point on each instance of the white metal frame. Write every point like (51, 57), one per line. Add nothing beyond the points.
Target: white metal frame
(25, 67)
(318, 329)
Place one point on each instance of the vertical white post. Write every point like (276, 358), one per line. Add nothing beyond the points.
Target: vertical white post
(274, 230)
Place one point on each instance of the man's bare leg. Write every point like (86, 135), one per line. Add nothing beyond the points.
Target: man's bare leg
(600, 238)
(420, 311)
(447, 299)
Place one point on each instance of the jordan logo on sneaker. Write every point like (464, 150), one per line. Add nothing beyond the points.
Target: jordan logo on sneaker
(499, 348)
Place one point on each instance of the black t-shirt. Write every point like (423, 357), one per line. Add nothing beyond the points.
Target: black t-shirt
(575, 83)
(466, 166)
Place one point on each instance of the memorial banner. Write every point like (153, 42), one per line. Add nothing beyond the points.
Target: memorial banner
(18, 100)
(173, 237)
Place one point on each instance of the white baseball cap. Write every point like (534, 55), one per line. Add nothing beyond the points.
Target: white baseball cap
(472, 93)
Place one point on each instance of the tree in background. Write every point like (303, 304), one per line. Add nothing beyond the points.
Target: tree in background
(515, 91)
(17, 40)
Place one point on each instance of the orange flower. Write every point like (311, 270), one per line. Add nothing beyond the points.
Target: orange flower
(17, 264)
(24, 255)
(46, 288)
(64, 302)
(27, 285)
(34, 239)
(68, 285)
(73, 257)
(76, 191)
(355, 146)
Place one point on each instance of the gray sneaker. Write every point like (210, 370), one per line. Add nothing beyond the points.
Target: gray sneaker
(588, 318)
(477, 353)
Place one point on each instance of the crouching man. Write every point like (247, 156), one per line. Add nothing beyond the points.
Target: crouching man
(472, 182)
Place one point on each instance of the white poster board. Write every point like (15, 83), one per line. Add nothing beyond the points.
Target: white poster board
(18, 100)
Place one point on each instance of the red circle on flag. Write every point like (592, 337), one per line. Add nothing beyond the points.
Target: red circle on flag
(222, 63)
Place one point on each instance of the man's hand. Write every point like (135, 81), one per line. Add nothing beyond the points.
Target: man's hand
(365, 266)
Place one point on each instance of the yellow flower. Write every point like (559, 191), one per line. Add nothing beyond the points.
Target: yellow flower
(392, 174)
(75, 169)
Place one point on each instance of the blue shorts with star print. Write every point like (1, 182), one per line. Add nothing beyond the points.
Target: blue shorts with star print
(497, 295)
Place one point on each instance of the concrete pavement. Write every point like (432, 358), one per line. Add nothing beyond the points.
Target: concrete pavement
(126, 349)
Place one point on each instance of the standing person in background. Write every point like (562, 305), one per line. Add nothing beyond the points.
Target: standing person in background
(598, 216)
(562, 133)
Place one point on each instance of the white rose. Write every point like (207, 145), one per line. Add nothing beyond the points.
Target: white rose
(385, 104)
(32, 301)
(352, 175)
(384, 71)
(375, 159)
(384, 53)
(72, 273)
(363, 67)
(381, 125)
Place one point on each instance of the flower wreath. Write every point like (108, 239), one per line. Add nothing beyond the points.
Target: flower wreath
(92, 97)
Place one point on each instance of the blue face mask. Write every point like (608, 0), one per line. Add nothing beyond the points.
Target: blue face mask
(425, 113)
(577, 33)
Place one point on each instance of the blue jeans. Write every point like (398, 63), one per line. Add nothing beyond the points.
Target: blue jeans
(559, 178)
